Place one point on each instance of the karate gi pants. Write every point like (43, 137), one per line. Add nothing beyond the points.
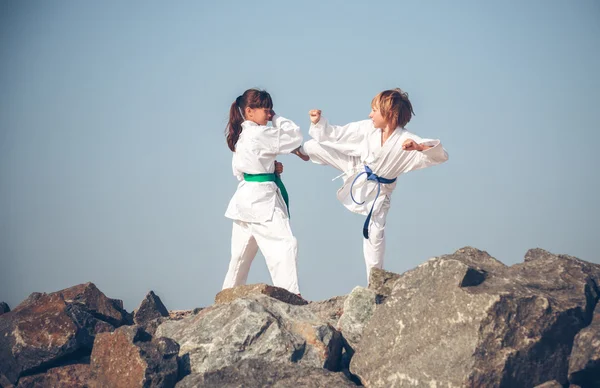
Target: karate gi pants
(374, 246)
(277, 244)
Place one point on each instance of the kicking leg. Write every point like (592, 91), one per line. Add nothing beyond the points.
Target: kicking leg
(321, 154)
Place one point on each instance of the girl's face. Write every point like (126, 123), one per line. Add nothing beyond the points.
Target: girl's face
(377, 118)
(260, 116)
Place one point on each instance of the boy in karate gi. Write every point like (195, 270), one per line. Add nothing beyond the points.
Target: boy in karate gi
(372, 154)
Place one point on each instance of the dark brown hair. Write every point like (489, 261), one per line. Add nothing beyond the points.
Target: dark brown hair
(395, 107)
(252, 98)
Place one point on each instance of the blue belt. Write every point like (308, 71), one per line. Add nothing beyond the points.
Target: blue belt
(371, 176)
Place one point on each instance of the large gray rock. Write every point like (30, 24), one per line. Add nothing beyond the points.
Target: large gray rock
(254, 373)
(129, 357)
(358, 310)
(584, 364)
(254, 327)
(468, 320)
(47, 329)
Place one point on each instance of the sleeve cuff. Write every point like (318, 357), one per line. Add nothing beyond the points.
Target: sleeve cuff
(276, 120)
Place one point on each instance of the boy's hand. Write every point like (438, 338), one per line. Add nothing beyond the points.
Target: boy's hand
(315, 115)
(411, 145)
(278, 168)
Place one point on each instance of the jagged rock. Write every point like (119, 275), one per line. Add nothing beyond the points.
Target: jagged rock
(4, 308)
(382, 282)
(72, 376)
(258, 373)
(358, 310)
(329, 310)
(47, 330)
(129, 357)
(584, 364)
(550, 384)
(468, 320)
(252, 327)
(150, 308)
(230, 294)
(101, 307)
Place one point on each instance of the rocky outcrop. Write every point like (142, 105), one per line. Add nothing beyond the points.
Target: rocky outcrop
(47, 330)
(468, 320)
(129, 357)
(458, 320)
(254, 327)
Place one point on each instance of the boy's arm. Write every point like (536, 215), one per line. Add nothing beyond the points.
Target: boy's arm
(425, 152)
(343, 138)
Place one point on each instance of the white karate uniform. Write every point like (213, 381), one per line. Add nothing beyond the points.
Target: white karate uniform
(349, 148)
(259, 214)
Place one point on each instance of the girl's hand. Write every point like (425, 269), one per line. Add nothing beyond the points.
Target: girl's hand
(315, 115)
(278, 168)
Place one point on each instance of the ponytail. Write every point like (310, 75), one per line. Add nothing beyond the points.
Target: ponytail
(234, 126)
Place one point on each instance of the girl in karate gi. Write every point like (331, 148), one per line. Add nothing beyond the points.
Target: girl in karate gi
(259, 206)
(372, 154)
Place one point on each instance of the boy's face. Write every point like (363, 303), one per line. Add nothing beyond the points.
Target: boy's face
(377, 118)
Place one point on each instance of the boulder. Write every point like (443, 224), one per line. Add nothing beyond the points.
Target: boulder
(129, 357)
(47, 330)
(466, 319)
(150, 308)
(254, 327)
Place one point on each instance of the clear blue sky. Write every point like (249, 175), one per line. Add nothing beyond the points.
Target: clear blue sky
(114, 168)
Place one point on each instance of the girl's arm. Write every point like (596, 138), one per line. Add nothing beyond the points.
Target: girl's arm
(287, 135)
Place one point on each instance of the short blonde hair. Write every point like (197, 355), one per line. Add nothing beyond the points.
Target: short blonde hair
(395, 107)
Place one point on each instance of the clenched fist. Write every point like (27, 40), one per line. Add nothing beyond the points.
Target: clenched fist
(315, 115)
(278, 168)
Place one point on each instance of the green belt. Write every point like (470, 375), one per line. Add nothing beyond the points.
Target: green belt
(269, 177)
